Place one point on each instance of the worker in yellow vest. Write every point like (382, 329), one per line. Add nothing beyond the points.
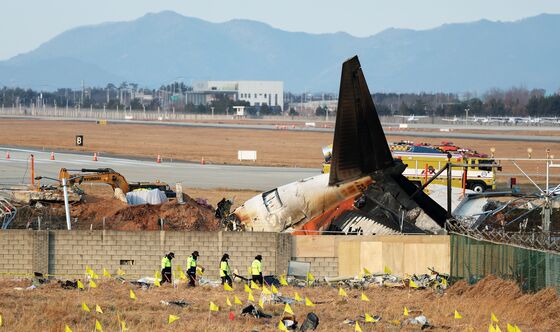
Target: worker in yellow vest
(192, 266)
(256, 270)
(225, 272)
(166, 268)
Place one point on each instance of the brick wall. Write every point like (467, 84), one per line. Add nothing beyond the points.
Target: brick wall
(66, 253)
(321, 266)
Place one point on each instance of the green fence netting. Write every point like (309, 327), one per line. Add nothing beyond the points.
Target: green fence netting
(473, 259)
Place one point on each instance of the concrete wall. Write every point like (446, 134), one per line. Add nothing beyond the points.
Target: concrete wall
(332, 255)
(66, 253)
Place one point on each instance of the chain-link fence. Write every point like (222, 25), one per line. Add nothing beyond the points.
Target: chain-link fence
(473, 259)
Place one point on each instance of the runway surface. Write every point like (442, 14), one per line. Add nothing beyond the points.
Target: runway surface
(17, 170)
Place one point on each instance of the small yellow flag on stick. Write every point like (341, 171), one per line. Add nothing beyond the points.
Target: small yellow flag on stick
(498, 328)
(120, 272)
(412, 284)
(457, 315)
(228, 302)
(254, 285)
(85, 307)
(247, 289)
(123, 326)
(266, 291)
(67, 328)
(288, 309)
(214, 307)
(310, 277)
(510, 328)
(182, 275)
(106, 273)
(157, 283)
(367, 272)
(98, 309)
(283, 281)
(250, 297)
(92, 284)
(80, 285)
(308, 302)
(98, 326)
(132, 295)
(227, 287)
(261, 303)
(172, 318)
(236, 300)
(517, 329)
(357, 327)
(494, 318)
(342, 292)
(387, 270)
(405, 311)
(1, 320)
(282, 327)
(297, 297)
(491, 328)
(370, 319)
(274, 289)
(364, 297)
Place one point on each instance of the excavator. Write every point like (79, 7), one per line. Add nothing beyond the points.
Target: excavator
(110, 177)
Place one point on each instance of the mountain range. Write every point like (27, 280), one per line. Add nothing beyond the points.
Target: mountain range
(163, 47)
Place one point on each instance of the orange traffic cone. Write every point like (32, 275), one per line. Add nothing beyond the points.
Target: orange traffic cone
(202, 161)
(7, 154)
(95, 156)
(52, 155)
(158, 160)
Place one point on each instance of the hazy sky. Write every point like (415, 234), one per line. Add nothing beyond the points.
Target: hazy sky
(25, 24)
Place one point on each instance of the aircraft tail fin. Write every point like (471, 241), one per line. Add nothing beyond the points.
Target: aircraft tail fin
(359, 146)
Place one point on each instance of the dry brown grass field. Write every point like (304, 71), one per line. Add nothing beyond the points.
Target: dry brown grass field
(50, 307)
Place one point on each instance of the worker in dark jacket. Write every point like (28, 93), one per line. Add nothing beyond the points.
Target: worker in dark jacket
(256, 270)
(166, 268)
(192, 265)
(225, 272)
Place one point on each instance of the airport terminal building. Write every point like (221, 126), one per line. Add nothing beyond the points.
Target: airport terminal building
(257, 93)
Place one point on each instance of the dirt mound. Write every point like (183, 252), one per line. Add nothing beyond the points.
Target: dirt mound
(490, 286)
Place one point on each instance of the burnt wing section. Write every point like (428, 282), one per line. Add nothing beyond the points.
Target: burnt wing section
(359, 146)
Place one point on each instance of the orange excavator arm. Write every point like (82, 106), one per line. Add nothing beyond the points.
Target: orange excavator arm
(98, 175)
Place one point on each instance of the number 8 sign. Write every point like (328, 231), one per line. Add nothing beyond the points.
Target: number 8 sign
(79, 140)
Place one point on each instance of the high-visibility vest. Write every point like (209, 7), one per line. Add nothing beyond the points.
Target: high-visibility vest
(256, 267)
(191, 262)
(224, 269)
(165, 262)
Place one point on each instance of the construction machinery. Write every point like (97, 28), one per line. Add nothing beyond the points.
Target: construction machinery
(112, 178)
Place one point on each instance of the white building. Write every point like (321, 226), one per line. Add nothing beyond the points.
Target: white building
(257, 93)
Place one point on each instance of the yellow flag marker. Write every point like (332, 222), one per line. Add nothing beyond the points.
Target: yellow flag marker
(172, 318)
(282, 327)
(297, 297)
(308, 302)
(214, 307)
(92, 284)
(247, 289)
(491, 328)
(89, 271)
(367, 272)
(288, 309)
(283, 281)
(85, 307)
(364, 297)
(387, 270)
(132, 295)
(444, 282)
(182, 275)
(67, 328)
(236, 300)
(517, 329)
(357, 327)
(405, 311)
(497, 329)
(98, 309)
(310, 277)
(510, 328)
(80, 285)
(412, 284)
(250, 297)
(157, 283)
(457, 315)
(157, 275)
(254, 285)
(342, 292)
(227, 287)
(98, 326)
(1, 320)
(123, 326)
(274, 289)
(106, 273)
(266, 291)
(228, 302)
(494, 318)
(120, 272)
(261, 303)
(370, 319)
